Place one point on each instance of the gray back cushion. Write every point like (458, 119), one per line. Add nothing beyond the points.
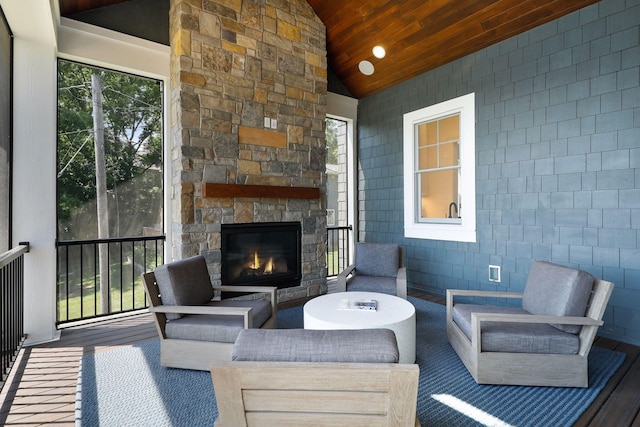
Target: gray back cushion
(383, 285)
(184, 282)
(377, 259)
(555, 290)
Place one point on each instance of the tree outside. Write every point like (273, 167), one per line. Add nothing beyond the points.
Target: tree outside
(109, 179)
(331, 135)
(132, 123)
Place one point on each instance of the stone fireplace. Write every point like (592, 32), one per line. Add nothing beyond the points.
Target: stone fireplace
(248, 96)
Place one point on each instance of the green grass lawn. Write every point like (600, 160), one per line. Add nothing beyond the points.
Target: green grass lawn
(334, 264)
(78, 293)
(86, 303)
(89, 304)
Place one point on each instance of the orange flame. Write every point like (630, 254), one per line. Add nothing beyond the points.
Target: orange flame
(256, 263)
(269, 267)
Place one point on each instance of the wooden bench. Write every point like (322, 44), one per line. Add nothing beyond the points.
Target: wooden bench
(294, 393)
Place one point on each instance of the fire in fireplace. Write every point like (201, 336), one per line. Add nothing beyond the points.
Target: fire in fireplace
(261, 253)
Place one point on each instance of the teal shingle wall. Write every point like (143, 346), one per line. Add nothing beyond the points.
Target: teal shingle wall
(557, 152)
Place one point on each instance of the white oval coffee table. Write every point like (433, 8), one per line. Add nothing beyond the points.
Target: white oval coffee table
(393, 313)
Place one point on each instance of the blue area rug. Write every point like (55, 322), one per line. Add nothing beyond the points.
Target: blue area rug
(127, 387)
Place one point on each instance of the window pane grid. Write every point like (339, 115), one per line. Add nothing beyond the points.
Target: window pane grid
(438, 143)
(437, 167)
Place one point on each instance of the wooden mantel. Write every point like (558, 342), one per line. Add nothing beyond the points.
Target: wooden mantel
(259, 191)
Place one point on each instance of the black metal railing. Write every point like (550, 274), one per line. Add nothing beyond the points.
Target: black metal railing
(101, 277)
(11, 306)
(337, 249)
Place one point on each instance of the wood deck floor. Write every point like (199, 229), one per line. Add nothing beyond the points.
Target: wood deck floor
(41, 388)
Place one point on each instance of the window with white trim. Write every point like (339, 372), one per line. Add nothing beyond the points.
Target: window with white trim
(439, 171)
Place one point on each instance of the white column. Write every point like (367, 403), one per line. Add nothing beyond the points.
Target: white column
(34, 158)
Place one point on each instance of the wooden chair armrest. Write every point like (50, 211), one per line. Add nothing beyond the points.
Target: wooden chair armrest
(341, 283)
(347, 271)
(532, 318)
(451, 293)
(401, 283)
(205, 309)
(489, 294)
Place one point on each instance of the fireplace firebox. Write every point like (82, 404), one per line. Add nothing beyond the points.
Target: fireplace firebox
(261, 253)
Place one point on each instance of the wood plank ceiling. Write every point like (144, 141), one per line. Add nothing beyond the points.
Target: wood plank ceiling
(418, 35)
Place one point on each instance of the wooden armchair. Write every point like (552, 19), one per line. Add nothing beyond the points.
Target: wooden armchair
(545, 343)
(378, 267)
(317, 378)
(196, 331)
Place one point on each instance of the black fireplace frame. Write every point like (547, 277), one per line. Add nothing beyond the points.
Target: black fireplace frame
(294, 277)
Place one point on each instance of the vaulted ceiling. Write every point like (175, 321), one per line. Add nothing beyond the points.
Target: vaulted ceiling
(418, 35)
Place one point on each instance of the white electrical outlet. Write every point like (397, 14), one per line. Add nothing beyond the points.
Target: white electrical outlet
(274, 124)
(267, 122)
(494, 273)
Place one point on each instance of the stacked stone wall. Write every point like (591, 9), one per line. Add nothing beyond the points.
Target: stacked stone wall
(235, 63)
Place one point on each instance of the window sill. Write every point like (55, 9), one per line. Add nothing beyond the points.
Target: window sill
(452, 233)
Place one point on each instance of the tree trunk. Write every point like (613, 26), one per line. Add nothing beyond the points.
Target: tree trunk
(101, 191)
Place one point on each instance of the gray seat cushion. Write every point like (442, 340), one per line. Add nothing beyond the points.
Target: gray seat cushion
(555, 290)
(515, 337)
(217, 328)
(377, 259)
(184, 282)
(307, 345)
(385, 285)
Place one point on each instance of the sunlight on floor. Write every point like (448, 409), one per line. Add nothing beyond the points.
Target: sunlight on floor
(470, 411)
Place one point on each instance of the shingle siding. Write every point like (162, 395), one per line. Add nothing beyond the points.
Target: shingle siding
(557, 158)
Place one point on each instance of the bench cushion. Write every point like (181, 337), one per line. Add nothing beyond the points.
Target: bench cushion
(377, 259)
(515, 337)
(555, 290)
(184, 282)
(217, 328)
(307, 345)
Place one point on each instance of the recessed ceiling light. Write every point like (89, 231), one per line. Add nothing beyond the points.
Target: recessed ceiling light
(379, 52)
(366, 68)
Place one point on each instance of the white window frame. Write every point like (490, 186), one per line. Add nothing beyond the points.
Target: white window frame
(465, 230)
(96, 46)
(345, 108)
